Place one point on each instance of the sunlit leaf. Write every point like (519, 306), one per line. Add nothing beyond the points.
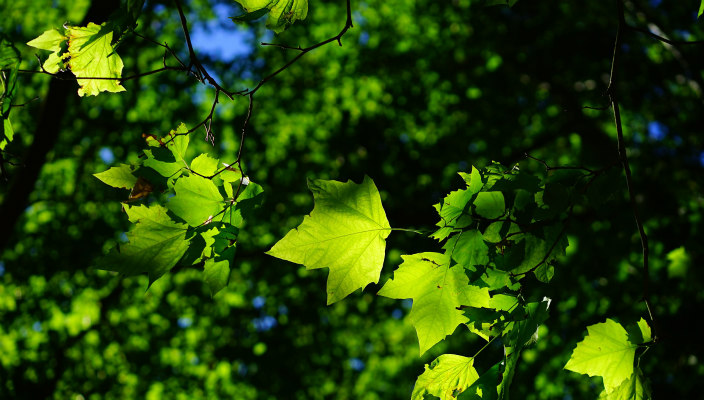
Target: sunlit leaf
(282, 13)
(345, 232)
(197, 200)
(119, 177)
(605, 352)
(484, 388)
(156, 243)
(437, 292)
(445, 377)
(216, 274)
(92, 56)
(490, 205)
(633, 388)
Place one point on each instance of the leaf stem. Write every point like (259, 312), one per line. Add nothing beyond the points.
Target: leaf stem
(408, 230)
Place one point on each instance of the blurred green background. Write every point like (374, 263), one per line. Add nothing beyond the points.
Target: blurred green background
(418, 91)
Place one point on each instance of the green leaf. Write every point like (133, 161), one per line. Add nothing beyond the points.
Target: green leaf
(282, 13)
(92, 56)
(49, 40)
(216, 274)
(473, 180)
(156, 244)
(345, 232)
(639, 332)
(9, 64)
(453, 206)
(7, 133)
(204, 165)
(437, 292)
(178, 140)
(470, 250)
(512, 356)
(447, 376)
(484, 388)
(679, 262)
(701, 9)
(9, 55)
(118, 177)
(249, 198)
(251, 16)
(490, 205)
(544, 272)
(525, 331)
(633, 388)
(164, 168)
(197, 200)
(134, 9)
(542, 245)
(606, 352)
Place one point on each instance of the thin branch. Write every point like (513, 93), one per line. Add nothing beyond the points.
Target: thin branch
(24, 104)
(664, 39)
(194, 60)
(550, 168)
(302, 51)
(623, 157)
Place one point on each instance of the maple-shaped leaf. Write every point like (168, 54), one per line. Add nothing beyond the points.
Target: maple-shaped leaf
(605, 352)
(197, 200)
(118, 177)
(282, 13)
(93, 56)
(633, 388)
(156, 243)
(437, 291)
(447, 376)
(346, 232)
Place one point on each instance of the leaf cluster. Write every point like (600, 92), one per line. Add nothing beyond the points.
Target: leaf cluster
(204, 209)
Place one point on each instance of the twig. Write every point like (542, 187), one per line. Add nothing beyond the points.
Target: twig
(663, 39)
(550, 168)
(623, 157)
(205, 76)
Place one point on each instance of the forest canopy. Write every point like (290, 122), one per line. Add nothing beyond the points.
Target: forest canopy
(351, 200)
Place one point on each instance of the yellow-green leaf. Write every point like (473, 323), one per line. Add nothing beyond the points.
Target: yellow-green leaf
(282, 13)
(447, 376)
(92, 56)
(119, 177)
(346, 232)
(605, 352)
(437, 291)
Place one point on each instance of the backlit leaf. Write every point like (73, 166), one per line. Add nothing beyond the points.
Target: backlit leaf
(490, 205)
(197, 199)
(92, 56)
(282, 13)
(605, 352)
(345, 232)
(156, 243)
(448, 375)
(633, 388)
(119, 177)
(437, 292)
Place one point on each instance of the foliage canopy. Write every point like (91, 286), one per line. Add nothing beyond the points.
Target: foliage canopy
(526, 268)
